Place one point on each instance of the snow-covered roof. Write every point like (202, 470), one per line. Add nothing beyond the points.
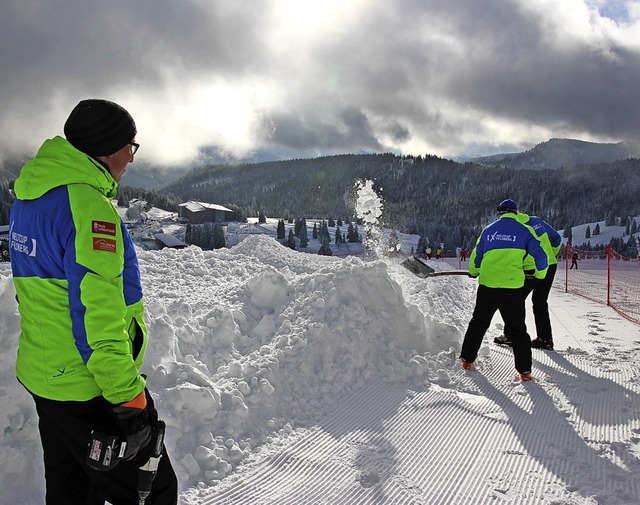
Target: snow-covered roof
(194, 206)
(170, 240)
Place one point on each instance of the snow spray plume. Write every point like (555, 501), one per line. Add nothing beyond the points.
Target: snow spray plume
(369, 210)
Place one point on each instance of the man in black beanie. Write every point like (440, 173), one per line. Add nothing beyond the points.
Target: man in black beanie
(102, 129)
(83, 334)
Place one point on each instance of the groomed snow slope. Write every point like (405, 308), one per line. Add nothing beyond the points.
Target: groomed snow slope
(454, 437)
(289, 378)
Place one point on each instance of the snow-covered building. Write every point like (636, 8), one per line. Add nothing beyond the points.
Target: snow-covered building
(166, 240)
(203, 212)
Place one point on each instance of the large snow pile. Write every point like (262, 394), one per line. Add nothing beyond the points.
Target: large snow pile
(247, 342)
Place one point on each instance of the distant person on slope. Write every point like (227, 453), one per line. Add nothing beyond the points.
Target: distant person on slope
(83, 334)
(497, 262)
(550, 240)
(574, 260)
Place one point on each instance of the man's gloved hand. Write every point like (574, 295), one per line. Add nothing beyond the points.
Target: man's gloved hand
(135, 419)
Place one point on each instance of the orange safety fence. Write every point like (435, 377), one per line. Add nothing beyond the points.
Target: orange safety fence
(602, 276)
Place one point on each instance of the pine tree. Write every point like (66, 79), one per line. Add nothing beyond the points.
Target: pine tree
(596, 230)
(356, 234)
(218, 236)
(280, 230)
(193, 235)
(338, 236)
(304, 241)
(350, 233)
(325, 250)
(133, 213)
(291, 241)
(587, 233)
(323, 235)
(631, 250)
(207, 238)
(314, 233)
(568, 234)
(123, 200)
(262, 218)
(423, 243)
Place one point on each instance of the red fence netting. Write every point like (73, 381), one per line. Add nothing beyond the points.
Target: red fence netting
(602, 276)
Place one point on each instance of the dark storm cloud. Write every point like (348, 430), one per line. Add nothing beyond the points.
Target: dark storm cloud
(349, 128)
(522, 69)
(400, 75)
(52, 54)
(97, 44)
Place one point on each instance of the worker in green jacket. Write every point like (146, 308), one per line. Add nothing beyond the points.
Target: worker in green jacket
(83, 334)
(551, 241)
(497, 262)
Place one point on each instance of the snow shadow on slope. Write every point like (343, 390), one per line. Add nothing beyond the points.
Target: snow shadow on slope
(547, 436)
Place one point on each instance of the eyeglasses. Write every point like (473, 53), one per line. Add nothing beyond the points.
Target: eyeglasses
(134, 148)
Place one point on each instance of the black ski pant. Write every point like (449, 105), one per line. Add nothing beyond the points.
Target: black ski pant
(539, 290)
(65, 430)
(510, 303)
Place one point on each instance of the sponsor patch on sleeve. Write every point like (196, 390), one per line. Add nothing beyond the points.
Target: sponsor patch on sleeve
(104, 244)
(103, 227)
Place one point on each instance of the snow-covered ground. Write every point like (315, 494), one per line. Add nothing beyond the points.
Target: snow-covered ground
(296, 378)
(289, 378)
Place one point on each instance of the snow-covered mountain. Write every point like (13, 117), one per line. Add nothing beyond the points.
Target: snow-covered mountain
(557, 153)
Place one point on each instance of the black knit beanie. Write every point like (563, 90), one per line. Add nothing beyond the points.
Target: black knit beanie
(99, 127)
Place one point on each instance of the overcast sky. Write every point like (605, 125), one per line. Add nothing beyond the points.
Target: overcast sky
(307, 78)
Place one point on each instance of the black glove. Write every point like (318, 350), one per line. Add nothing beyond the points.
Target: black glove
(135, 425)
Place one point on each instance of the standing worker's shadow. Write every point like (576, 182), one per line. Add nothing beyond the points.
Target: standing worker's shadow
(596, 400)
(547, 435)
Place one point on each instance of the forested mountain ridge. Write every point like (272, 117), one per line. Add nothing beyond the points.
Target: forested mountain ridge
(558, 153)
(441, 199)
(438, 198)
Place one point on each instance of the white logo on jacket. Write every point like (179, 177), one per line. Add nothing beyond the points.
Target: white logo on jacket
(501, 236)
(19, 243)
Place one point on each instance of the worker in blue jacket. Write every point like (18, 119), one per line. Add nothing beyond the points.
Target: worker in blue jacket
(551, 241)
(497, 261)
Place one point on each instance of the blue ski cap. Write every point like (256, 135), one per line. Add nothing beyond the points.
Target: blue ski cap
(507, 206)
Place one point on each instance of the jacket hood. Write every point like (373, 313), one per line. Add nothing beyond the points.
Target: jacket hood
(58, 163)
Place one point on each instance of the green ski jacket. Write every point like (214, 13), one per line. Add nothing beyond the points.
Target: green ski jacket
(77, 281)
